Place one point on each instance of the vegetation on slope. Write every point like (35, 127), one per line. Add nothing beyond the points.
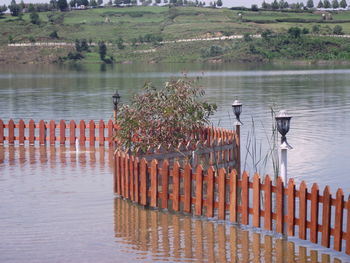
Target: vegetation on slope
(135, 33)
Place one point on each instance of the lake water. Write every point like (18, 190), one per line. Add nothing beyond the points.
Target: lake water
(58, 206)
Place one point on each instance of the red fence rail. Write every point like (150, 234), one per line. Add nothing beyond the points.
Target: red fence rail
(91, 132)
(62, 132)
(309, 215)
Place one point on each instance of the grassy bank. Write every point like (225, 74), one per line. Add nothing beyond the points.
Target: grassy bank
(133, 25)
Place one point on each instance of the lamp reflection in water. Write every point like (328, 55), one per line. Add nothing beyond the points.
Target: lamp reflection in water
(174, 237)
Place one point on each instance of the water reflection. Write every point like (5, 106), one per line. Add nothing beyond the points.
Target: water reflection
(55, 156)
(57, 205)
(172, 237)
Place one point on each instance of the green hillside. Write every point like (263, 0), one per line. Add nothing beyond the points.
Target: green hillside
(140, 29)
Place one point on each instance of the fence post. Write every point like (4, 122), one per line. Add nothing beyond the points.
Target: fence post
(187, 188)
(11, 132)
(210, 192)
(233, 197)
(42, 133)
(199, 190)
(238, 149)
(165, 184)
(176, 186)
(2, 137)
(21, 132)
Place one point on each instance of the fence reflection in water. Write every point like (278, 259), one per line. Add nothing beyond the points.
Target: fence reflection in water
(176, 237)
(56, 156)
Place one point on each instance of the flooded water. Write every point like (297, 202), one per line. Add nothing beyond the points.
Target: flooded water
(57, 205)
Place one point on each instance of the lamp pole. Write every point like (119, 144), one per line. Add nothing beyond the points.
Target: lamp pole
(116, 99)
(237, 110)
(283, 124)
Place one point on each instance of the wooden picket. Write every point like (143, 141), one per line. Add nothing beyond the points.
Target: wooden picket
(226, 196)
(64, 132)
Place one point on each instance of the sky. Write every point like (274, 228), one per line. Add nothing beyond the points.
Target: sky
(227, 3)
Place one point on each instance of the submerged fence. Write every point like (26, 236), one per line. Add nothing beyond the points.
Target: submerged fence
(218, 193)
(177, 237)
(90, 132)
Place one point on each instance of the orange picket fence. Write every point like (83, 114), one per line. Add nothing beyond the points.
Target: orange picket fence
(63, 132)
(224, 195)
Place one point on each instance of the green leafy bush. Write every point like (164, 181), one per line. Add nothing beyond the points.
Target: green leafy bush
(163, 117)
(213, 51)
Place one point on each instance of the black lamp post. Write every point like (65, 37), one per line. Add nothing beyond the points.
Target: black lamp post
(116, 99)
(237, 110)
(283, 124)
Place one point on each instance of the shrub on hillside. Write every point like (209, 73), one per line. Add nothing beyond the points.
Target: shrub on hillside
(213, 51)
(338, 30)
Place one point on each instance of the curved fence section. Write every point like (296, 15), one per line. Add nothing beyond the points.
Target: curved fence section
(222, 194)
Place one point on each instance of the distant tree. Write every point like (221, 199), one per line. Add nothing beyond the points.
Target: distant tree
(320, 4)
(102, 50)
(255, 8)
(120, 43)
(305, 31)
(247, 37)
(133, 2)
(11, 40)
(31, 39)
(266, 34)
(264, 5)
(335, 4)
(134, 42)
(84, 2)
(93, 3)
(31, 8)
(343, 4)
(327, 4)
(54, 34)
(118, 2)
(294, 32)
(15, 9)
(110, 3)
(316, 29)
(158, 1)
(77, 45)
(62, 5)
(72, 3)
(34, 18)
(310, 4)
(219, 3)
(54, 4)
(22, 5)
(275, 5)
(285, 5)
(338, 30)
(281, 4)
(3, 9)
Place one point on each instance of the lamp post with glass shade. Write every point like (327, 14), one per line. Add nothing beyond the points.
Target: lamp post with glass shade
(116, 100)
(237, 110)
(283, 124)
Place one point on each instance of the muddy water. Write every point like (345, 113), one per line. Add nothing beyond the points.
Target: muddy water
(57, 205)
